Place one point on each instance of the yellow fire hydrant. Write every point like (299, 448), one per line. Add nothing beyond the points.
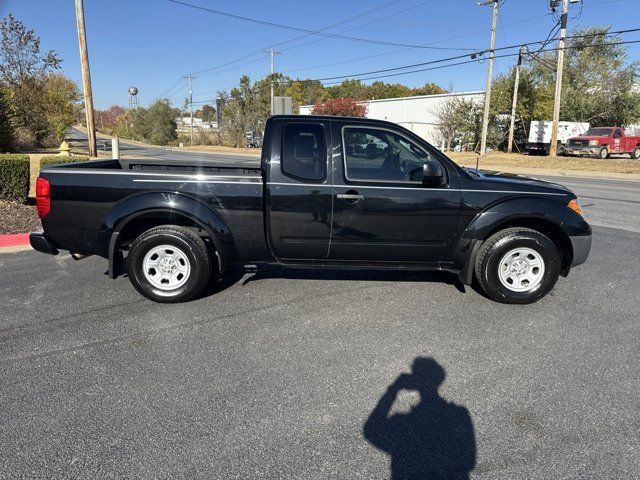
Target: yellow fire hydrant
(65, 149)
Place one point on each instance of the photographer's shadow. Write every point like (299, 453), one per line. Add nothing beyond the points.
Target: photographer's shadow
(435, 440)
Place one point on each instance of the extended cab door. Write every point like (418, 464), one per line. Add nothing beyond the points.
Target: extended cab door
(618, 141)
(382, 211)
(298, 197)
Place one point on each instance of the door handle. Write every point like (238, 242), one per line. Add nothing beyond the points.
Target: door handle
(350, 196)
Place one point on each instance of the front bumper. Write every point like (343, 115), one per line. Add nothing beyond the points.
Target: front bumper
(40, 242)
(581, 149)
(581, 247)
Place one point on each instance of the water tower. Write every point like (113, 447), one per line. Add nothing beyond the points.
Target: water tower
(133, 97)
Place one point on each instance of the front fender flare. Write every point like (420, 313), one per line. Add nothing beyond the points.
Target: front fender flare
(171, 204)
(507, 211)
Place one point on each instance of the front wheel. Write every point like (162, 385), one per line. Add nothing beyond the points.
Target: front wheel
(169, 264)
(636, 153)
(603, 153)
(517, 265)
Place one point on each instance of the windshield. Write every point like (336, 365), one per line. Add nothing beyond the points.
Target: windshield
(597, 132)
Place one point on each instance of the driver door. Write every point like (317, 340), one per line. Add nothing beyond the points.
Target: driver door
(382, 212)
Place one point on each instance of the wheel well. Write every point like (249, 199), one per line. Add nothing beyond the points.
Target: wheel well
(145, 222)
(550, 229)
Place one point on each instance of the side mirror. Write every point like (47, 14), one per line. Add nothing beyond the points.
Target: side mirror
(432, 173)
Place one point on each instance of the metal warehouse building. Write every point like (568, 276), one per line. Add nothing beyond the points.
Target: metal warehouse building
(418, 114)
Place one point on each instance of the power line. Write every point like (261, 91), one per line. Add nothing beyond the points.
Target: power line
(312, 32)
(506, 55)
(249, 55)
(359, 15)
(351, 60)
(477, 53)
(376, 20)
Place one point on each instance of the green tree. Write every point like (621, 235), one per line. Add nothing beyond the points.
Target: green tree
(460, 121)
(305, 92)
(208, 113)
(5, 124)
(428, 89)
(387, 90)
(21, 55)
(349, 89)
(42, 104)
(597, 85)
(599, 80)
(156, 124)
(60, 105)
(245, 110)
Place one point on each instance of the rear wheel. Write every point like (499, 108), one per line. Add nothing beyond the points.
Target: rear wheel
(636, 153)
(517, 265)
(603, 153)
(169, 264)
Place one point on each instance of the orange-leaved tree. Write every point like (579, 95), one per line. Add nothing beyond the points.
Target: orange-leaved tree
(341, 107)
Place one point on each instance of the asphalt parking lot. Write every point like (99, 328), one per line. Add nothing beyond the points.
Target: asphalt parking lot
(289, 374)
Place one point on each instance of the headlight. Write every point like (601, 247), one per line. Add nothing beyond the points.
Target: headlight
(593, 143)
(575, 206)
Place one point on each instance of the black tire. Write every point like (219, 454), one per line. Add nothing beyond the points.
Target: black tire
(189, 244)
(603, 153)
(500, 244)
(636, 153)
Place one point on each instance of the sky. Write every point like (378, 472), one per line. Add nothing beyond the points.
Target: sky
(152, 44)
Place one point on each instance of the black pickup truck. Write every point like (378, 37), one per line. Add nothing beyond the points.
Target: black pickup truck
(331, 192)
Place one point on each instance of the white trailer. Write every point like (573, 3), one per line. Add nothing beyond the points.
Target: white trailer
(540, 135)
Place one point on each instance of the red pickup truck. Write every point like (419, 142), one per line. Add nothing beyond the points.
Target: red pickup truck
(602, 142)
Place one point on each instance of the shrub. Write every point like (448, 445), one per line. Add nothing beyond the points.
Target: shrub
(341, 107)
(14, 177)
(56, 159)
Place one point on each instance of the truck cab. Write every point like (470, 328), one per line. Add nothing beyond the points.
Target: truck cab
(347, 191)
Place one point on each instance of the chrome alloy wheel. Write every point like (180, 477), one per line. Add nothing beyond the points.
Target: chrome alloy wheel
(166, 267)
(521, 269)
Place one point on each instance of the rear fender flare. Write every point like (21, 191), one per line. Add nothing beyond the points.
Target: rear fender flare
(169, 203)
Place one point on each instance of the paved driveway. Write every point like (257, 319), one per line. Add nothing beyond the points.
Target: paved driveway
(293, 374)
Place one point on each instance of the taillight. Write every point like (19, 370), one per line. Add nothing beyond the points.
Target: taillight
(43, 197)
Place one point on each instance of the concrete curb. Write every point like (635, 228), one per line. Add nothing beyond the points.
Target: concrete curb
(14, 243)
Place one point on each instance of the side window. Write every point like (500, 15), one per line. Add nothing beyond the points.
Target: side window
(617, 133)
(303, 151)
(381, 155)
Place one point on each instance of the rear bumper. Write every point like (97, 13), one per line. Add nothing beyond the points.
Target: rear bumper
(537, 147)
(581, 248)
(40, 242)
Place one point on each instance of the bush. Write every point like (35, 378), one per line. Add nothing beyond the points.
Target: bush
(56, 159)
(341, 107)
(14, 177)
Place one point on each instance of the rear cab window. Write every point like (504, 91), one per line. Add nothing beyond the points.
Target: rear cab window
(304, 151)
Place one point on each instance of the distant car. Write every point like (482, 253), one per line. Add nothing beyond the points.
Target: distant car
(602, 142)
(254, 140)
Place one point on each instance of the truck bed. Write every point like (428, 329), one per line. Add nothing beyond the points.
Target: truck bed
(206, 167)
(91, 199)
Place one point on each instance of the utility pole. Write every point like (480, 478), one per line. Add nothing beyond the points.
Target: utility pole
(492, 54)
(86, 79)
(515, 98)
(190, 78)
(272, 53)
(553, 148)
